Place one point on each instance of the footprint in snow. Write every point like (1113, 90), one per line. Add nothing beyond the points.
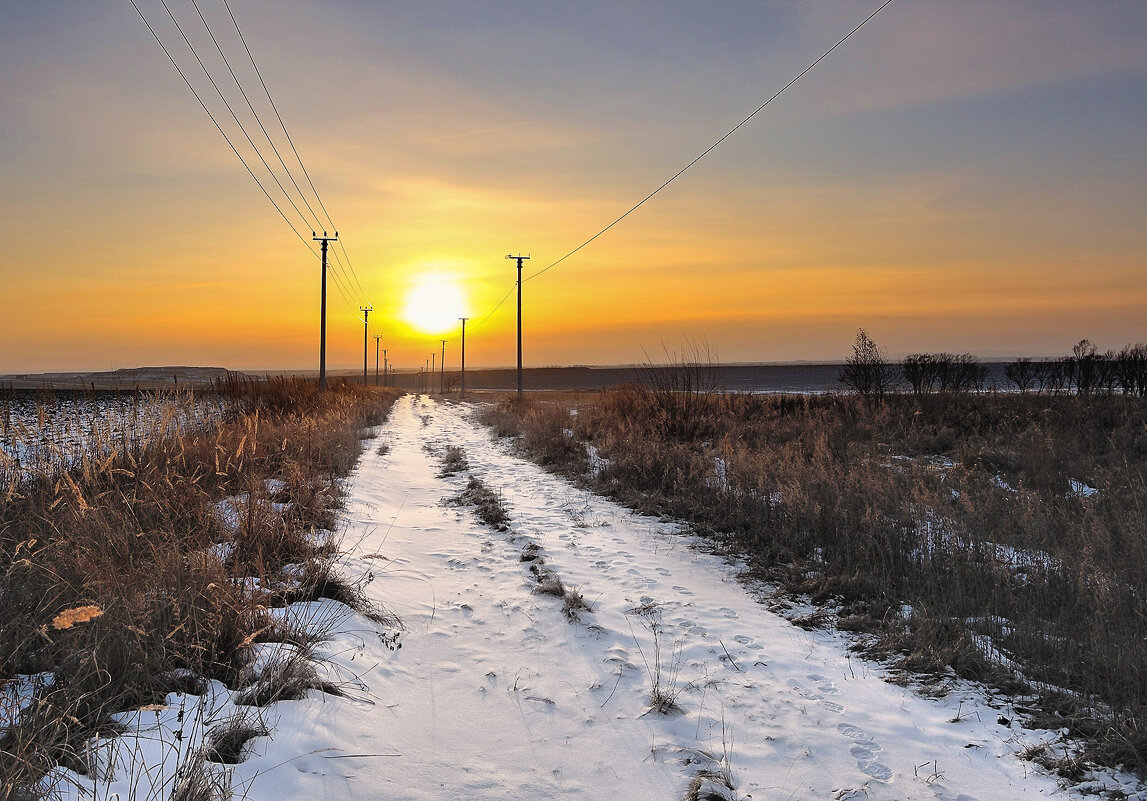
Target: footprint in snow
(800, 690)
(817, 694)
(824, 684)
(865, 750)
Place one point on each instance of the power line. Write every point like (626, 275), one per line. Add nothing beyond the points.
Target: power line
(339, 274)
(350, 267)
(500, 303)
(339, 285)
(275, 108)
(223, 133)
(711, 147)
(231, 111)
(255, 114)
(348, 274)
(290, 141)
(677, 174)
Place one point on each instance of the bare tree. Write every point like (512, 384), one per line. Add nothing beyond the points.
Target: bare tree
(1107, 376)
(1085, 367)
(967, 374)
(1023, 373)
(1053, 376)
(867, 371)
(919, 371)
(945, 372)
(1131, 368)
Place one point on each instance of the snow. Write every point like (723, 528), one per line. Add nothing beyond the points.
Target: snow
(35, 435)
(232, 510)
(18, 692)
(492, 692)
(1081, 489)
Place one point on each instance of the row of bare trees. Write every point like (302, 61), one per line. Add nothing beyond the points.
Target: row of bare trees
(1085, 372)
(943, 372)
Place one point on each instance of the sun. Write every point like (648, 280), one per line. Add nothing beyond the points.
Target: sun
(434, 304)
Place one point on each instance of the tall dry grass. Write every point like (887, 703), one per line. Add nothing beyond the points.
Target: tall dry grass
(109, 580)
(955, 533)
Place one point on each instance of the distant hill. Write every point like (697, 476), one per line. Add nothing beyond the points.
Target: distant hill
(125, 377)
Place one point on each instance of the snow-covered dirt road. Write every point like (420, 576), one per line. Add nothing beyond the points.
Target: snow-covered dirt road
(495, 694)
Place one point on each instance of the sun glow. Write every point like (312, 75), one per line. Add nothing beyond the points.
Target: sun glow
(434, 304)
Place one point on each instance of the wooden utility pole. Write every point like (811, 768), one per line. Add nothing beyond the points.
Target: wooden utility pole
(366, 310)
(463, 319)
(377, 340)
(323, 310)
(385, 369)
(520, 258)
(442, 370)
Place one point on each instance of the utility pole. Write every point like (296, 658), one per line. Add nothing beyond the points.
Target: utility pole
(377, 340)
(520, 258)
(426, 377)
(433, 370)
(442, 371)
(366, 310)
(323, 310)
(385, 371)
(463, 319)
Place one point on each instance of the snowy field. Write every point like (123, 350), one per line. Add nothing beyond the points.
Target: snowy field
(495, 693)
(38, 433)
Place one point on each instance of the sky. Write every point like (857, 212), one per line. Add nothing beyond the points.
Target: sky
(959, 175)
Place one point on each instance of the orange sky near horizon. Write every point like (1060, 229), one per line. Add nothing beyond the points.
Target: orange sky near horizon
(967, 177)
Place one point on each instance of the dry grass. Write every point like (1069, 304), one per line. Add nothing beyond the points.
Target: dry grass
(287, 678)
(227, 741)
(108, 579)
(453, 461)
(967, 510)
(489, 505)
(202, 781)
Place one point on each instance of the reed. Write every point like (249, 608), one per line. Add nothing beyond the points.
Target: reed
(126, 561)
(956, 534)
